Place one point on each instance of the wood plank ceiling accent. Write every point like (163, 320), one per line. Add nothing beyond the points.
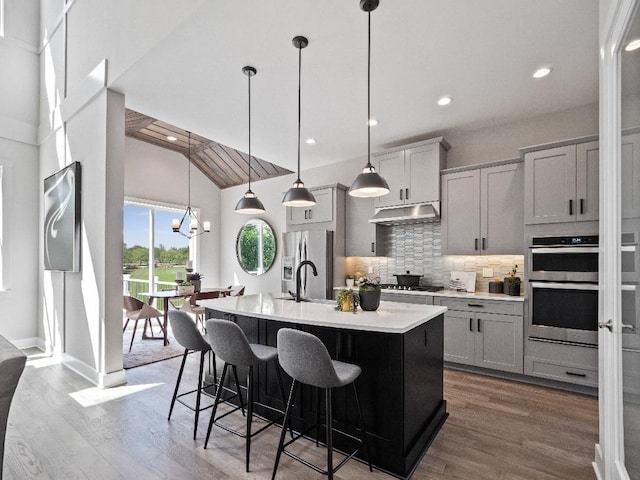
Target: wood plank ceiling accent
(224, 166)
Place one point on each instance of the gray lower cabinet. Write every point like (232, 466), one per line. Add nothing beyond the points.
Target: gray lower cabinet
(406, 298)
(483, 333)
(562, 362)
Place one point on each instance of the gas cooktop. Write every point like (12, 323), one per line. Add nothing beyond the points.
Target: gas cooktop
(416, 288)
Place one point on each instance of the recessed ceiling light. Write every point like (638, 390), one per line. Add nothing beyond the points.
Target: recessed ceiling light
(444, 101)
(373, 122)
(632, 45)
(310, 141)
(171, 138)
(542, 72)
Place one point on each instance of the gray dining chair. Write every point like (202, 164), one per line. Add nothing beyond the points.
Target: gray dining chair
(304, 358)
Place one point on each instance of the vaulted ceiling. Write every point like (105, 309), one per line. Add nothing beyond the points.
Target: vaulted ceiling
(482, 53)
(224, 166)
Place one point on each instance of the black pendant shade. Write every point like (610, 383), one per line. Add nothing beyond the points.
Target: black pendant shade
(249, 204)
(369, 183)
(299, 195)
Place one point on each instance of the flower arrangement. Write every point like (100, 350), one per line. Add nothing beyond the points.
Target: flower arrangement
(511, 279)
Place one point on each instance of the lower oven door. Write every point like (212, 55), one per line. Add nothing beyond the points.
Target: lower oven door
(563, 311)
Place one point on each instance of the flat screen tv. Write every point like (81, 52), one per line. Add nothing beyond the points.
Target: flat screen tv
(62, 220)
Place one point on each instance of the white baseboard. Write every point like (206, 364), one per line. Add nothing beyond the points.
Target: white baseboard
(102, 380)
(33, 342)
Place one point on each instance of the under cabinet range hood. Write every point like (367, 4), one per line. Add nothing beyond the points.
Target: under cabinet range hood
(423, 212)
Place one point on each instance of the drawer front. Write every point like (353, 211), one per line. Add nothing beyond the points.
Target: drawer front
(399, 297)
(564, 372)
(482, 306)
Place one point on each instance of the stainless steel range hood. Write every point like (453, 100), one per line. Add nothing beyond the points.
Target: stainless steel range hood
(424, 212)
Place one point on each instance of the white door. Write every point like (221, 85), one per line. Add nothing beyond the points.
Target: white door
(617, 454)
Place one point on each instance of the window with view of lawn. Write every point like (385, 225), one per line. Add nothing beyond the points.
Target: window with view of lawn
(145, 268)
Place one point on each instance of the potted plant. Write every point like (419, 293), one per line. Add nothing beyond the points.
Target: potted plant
(347, 300)
(349, 280)
(369, 292)
(512, 282)
(185, 288)
(195, 279)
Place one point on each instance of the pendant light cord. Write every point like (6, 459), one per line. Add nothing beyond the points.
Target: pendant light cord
(249, 83)
(189, 174)
(299, 109)
(369, 90)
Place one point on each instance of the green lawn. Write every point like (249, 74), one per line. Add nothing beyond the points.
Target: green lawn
(167, 274)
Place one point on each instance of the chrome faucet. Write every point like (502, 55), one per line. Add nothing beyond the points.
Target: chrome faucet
(302, 264)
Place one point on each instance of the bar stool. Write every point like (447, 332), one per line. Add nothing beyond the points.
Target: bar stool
(186, 334)
(305, 358)
(230, 344)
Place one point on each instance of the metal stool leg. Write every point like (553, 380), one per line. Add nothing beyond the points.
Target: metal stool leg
(329, 434)
(215, 403)
(317, 417)
(364, 431)
(175, 392)
(235, 375)
(276, 365)
(200, 372)
(287, 414)
(249, 415)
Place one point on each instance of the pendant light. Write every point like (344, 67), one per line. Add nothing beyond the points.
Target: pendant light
(195, 227)
(298, 195)
(249, 204)
(369, 183)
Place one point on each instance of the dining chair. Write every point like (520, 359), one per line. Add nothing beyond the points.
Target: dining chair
(138, 310)
(190, 305)
(236, 290)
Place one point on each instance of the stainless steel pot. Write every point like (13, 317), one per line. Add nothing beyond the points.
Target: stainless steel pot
(407, 280)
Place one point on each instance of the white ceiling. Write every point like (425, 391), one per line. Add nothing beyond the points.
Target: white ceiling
(482, 53)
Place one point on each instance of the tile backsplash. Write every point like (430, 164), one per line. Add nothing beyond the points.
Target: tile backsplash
(418, 248)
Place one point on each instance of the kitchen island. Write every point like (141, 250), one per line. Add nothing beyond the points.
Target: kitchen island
(400, 350)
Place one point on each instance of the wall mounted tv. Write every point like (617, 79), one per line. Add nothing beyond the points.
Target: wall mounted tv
(62, 220)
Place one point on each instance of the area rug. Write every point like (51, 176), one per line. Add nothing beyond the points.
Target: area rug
(145, 352)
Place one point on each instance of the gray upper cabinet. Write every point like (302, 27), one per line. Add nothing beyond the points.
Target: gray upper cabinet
(412, 172)
(561, 184)
(482, 211)
(364, 239)
(631, 176)
(321, 212)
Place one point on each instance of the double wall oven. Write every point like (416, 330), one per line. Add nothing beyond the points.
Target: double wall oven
(563, 288)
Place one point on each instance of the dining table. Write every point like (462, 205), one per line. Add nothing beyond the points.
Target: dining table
(166, 296)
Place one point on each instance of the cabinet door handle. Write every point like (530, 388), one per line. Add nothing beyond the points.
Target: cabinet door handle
(373, 247)
(475, 244)
(570, 207)
(484, 243)
(581, 206)
(475, 305)
(471, 324)
(478, 329)
(576, 374)
(406, 193)
(425, 337)
(310, 214)
(401, 195)
(305, 214)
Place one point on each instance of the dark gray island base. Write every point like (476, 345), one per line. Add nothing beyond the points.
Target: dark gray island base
(400, 388)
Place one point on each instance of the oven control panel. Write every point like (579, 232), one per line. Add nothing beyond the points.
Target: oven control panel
(568, 240)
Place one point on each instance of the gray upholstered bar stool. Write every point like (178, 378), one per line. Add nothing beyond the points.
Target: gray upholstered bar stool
(305, 358)
(230, 344)
(186, 334)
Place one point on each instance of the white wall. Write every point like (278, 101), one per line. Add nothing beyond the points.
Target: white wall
(160, 175)
(19, 237)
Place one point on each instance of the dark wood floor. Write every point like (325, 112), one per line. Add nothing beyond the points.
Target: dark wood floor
(61, 427)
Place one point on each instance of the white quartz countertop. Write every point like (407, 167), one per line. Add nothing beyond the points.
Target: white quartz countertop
(453, 294)
(391, 317)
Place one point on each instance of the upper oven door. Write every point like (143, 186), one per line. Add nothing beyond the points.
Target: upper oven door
(564, 264)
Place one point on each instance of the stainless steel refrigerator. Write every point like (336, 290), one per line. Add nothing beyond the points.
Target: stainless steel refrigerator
(317, 246)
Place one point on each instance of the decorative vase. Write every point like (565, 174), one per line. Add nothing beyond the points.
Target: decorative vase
(185, 289)
(513, 290)
(349, 282)
(369, 300)
(347, 306)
